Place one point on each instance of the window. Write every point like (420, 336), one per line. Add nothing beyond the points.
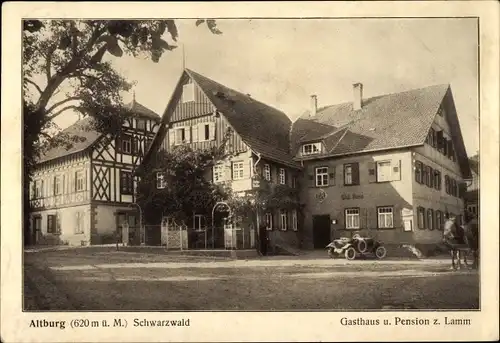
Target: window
(161, 181)
(141, 124)
(454, 187)
(437, 180)
(269, 221)
(79, 218)
(383, 171)
(447, 184)
(322, 177)
(418, 171)
(267, 172)
(57, 185)
(294, 181)
(237, 170)
(294, 221)
(428, 176)
(188, 92)
(283, 220)
(126, 144)
(51, 223)
(432, 138)
(440, 111)
(311, 149)
(80, 181)
(218, 173)
(282, 176)
(385, 217)
(351, 174)
(180, 135)
(198, 222)
(421, 217)
(439, 220)
(38, 189)
(430, 219)
(206, 131)
(126, 183)
(352, 218)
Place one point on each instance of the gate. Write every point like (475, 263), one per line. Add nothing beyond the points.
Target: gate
(173, 235)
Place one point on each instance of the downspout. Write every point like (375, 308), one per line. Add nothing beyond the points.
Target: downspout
(257, 223)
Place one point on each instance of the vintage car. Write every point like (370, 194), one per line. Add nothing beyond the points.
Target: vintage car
(357, 246)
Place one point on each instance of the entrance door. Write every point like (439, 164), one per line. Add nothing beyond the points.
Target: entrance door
(37, 229)
(321, 231)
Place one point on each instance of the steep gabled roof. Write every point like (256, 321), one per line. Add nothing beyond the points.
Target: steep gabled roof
(263, 128)
(85, 130)
(385, 122)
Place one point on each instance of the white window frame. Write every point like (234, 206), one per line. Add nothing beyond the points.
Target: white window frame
(267, 172)
(161, 182)
(282, 177)
(269, 221)
(126, 144)
(283, 220)
(321, 176)
(141, 127)
(38, 189)
(387, 177)
(294, 220)
(80, 180)
(57, 185)
(311, 149)
(238, 170)
(79, 222)
(218, 173)
(351, 217)
(382, 224)
(188, 93)
(178, 137)
(348, 181)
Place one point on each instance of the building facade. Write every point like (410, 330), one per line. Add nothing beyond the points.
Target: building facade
(85, 194)
(392, 167)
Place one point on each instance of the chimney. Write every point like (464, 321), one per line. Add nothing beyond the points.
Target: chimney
(357, 103)
(314, 105)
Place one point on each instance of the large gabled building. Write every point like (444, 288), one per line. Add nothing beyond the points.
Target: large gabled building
(85, 194)
(392, 166)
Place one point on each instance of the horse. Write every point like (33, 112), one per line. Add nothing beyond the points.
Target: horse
(469, 234)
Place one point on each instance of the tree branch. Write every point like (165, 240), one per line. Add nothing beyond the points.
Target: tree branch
(71, 98)
(76, 108)
(34, 84)
(48, 63)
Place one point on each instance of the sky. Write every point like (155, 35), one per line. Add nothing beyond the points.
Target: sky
(282, 62)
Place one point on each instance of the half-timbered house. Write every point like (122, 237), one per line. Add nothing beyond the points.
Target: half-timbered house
(85, 194)
(200, 113)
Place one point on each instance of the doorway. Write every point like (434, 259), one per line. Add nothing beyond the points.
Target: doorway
(321, 231)
(36, 230)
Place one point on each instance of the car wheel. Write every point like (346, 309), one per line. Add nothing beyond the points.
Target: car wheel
(350, 253)
(380, 252)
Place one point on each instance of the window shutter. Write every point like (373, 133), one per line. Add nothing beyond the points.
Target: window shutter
(439, 140)
(372, 172)
(211, 130)
(229, 172)
(396, 170)
(171, 137)
(54, 185)
(42, 189)
(431, 177)
(331, 176)
(194, 133)
(311, 177)
(355, 173)
(32, 190)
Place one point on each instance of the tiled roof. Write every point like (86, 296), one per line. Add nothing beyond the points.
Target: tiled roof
(263, 128)
(85, 130)
(385, 122)
(142, 110)
(82, 128)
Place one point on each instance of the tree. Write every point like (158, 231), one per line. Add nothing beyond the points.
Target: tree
(70, 56)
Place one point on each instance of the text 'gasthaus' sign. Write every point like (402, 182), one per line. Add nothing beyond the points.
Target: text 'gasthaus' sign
(349, 196)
